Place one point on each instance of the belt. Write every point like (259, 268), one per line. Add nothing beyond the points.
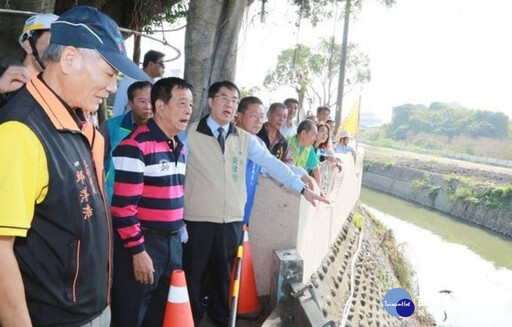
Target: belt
(159, 232)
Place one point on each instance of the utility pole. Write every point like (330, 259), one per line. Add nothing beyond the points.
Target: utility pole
(341, 82)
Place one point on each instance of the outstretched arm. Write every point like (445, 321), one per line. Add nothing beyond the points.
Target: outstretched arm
(312, 197)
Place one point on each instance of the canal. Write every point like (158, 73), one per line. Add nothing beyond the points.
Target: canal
(463, 272)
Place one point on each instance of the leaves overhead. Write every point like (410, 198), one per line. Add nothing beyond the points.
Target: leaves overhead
(318, 10)
(133, 14)
(315, 70)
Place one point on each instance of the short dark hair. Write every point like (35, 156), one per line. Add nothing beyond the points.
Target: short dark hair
(153, 56)
(275, 106)
(162, 90)
(215, 87)
(306, 125)
(246, 102)
(137, 86)
(36, 34)
(322, 108)
(290, 101)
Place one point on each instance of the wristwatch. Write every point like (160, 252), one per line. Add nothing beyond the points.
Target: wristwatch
(304, 189)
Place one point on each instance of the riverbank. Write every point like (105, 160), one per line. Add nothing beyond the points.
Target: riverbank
(363, 264)
(477, 193)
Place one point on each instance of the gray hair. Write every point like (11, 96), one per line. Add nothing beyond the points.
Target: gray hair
(306, 125)
(54, 51)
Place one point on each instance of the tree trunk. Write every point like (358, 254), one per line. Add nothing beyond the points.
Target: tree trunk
(343, 63)
(211, 44)
(136, 49)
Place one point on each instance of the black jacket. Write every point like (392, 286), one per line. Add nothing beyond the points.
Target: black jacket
(65, 258)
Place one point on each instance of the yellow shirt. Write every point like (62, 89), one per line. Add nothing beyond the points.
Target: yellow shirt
(23, 177)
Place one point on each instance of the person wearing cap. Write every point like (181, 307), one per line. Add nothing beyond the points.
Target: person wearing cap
(153, 65)
(147, 207)
(55, 233)
(342, 146)
(34, 40)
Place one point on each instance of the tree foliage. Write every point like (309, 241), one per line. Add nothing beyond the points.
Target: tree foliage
(315, 71)
(133, 14)
(295, 69)
(442, 119)
(137, 15)
(318, 10)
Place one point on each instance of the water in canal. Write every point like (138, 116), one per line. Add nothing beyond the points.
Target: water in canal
(473, 265)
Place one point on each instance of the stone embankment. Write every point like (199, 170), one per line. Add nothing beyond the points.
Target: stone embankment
(478, 194)
(351, 283)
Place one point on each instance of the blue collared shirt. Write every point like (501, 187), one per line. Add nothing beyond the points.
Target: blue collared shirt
(214, 126)
(260, 155)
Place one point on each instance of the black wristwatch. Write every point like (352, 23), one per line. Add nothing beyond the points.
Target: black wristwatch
(304, 189)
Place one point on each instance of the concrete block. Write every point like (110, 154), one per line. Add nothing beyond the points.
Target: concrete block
(288, 268)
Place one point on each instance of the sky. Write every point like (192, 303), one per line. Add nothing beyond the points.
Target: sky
(420, 51)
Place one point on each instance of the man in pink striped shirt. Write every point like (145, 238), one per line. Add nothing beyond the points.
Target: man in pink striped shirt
(147, 208)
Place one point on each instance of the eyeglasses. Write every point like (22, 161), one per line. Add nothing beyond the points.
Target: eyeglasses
(226, 99)
(160, 63)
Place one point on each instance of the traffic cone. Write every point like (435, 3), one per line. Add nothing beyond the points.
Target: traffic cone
(248, 302)
(178, 312)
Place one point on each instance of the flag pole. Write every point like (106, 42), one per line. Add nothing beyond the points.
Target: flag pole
(358, 118)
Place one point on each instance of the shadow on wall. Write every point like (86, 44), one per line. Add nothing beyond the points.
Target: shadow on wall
(283, 220)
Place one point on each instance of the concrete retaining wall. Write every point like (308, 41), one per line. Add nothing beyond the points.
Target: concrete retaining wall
(283, 220)
(397, 181)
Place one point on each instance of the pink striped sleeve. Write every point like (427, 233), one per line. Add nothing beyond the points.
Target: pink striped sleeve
(163, 192)
(160, 215)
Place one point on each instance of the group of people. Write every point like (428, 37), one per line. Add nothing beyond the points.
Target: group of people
(76, 253)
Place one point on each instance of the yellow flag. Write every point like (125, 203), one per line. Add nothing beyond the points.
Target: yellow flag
(351, 122)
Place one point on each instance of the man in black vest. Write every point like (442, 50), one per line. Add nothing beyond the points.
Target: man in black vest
(270, 134)
(55, 234)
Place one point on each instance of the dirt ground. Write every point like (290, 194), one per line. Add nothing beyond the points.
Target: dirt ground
(429, 163)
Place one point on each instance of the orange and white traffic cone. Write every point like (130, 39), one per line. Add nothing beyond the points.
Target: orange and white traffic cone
(178, 312)
(248, 302)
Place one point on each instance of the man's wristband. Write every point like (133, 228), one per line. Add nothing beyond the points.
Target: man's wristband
(304, 189)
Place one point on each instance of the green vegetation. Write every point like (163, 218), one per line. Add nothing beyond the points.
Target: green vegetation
(468, 190)
(313, 70)
(447, 120)
(448, 129)
(358, 220)
(380, 228)
(370, 163)
(401, 267)
(425, 184)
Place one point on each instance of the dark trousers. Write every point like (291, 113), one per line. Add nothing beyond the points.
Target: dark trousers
(135, 304)
(209, 253)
